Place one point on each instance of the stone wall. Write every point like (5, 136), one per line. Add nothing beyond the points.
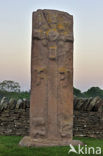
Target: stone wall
(88, 121)
(88, 117)
(14, 117)
(14, 122)
(88, 124)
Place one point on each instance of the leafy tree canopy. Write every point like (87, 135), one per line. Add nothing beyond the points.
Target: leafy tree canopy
(94, 91)
(77, 92)
(9, 86)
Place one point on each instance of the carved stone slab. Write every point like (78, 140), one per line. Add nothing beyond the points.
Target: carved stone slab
(51, 106)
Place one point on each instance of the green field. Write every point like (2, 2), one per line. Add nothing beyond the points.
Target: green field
(9, 147)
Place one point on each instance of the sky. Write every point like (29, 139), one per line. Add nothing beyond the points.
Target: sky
(15, 39)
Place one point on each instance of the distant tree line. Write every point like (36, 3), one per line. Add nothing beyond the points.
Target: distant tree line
(10, 89)
(9, 86)
(91, 92)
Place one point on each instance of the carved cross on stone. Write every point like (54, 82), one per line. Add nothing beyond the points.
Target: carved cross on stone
(51, 102)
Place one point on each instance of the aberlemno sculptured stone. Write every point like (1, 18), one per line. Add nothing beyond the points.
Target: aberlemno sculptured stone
(51, 103)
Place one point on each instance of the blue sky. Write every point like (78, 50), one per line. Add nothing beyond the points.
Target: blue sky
(15, 39)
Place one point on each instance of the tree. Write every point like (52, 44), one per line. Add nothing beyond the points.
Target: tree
(77, 92)
(9, 86)
(93, 92)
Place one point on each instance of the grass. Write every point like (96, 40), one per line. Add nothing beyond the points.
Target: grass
(9, 147)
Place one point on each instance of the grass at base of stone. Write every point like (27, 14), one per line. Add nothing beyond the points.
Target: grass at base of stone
(9, 147)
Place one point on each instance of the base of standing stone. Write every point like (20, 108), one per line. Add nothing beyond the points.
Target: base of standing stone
(28, 141)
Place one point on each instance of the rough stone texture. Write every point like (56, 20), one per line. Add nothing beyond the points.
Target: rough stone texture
(88, 123)
(12, 103)
(88, 117)
(3, 103)
(51, 104)
(88, 104)
(14, 120)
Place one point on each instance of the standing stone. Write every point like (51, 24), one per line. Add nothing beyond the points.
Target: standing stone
(51, 106)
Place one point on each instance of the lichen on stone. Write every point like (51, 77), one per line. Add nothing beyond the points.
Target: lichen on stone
(52, 47)
(63, 70)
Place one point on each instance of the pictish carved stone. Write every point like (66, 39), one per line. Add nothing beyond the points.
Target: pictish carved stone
(39, 127)
(51, 105)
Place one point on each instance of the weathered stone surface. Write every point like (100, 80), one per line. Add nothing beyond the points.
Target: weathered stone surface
(88, 104)
(19, 103)
(3, 103)
(12, 103)
(26, 103)
(14, 122)
(51, 105)
(94, 103)
(29, 141)
(51, 73)
(3, 100)
(86, 122)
